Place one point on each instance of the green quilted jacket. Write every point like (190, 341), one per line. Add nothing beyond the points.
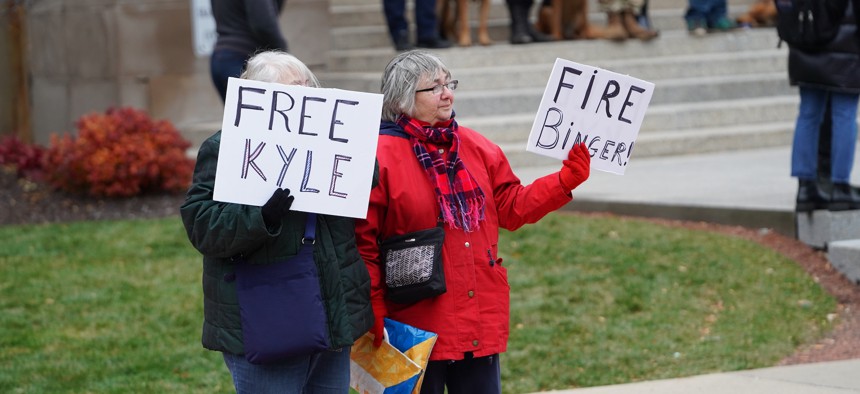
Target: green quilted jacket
(227, 233)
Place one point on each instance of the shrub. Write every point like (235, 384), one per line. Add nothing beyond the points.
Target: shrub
(24, 158)
(120, 153)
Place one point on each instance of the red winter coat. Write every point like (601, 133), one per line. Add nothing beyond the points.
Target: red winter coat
(473, 315)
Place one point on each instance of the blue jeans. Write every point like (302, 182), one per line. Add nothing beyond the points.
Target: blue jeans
(804, 150)
(707, 11)
(224, 64)
(425, 19)
(323, 373)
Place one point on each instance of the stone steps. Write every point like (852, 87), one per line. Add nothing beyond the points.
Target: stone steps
(732, 83)
(844, 255)
(670, 43)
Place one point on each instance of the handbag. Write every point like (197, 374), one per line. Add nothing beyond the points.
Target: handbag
(413, 265)
(281, 305)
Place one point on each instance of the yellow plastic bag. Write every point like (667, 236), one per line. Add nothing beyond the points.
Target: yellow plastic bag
(396, 367)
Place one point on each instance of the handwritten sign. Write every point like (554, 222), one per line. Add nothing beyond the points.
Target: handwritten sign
(587, 104)
(319, 143)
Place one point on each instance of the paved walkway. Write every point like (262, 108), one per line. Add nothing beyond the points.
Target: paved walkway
(835, 377)
(752, 188)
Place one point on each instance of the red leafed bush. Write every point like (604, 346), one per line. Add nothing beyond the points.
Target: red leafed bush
(26, 159)
(120, 153)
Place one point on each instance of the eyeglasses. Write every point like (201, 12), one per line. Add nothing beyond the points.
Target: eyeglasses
(452, 85)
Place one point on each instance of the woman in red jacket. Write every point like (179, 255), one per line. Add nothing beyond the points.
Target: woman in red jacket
(431, 168)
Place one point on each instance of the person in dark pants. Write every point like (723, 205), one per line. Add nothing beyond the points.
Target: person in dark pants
(824, 141)
(230, 235)
(522, 31)
(426, 25)
(827, 79)
(824, 137)
(244, 28)
(436, 173)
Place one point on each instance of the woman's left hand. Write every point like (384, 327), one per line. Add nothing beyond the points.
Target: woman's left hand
(576, 168)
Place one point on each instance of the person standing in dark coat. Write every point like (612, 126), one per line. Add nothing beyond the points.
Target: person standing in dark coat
(831, 73)
(244, 28)
(230, 234)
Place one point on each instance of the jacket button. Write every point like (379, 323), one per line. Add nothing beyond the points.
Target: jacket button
(475, 343)
(441, 150)
(471, 293)
(467, 244)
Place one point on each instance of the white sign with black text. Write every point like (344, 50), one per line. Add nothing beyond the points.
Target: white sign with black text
(587, 104)
(319, 143)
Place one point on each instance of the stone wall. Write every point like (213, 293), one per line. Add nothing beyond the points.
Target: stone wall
(88, 55)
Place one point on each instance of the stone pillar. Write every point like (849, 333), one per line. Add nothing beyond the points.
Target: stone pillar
(88, 55)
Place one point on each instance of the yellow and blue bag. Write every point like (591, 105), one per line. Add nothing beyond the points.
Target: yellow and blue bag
(396, 367)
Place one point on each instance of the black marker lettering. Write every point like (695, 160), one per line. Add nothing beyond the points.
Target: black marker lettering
(588, 91)
(249, 158)
(561, 81)
(309, 158)
(335, 174)
(240, 106)
(304, 111)
(335, 121)
(608, 95)
(287, 159)
(554, 128)
(628, 103)
(283, 111)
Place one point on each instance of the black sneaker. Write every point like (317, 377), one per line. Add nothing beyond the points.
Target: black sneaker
(435, 43)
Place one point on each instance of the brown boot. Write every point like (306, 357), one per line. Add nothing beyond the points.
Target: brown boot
(549, 22)
(576, 20)
(631, 25)
(614, 28)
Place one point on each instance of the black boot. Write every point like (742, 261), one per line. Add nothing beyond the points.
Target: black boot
(519, 22)
(843, 198)
(810, 196)
(401, 42)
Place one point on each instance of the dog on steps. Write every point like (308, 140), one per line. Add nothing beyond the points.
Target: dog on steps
(566, 19)
(454, 21)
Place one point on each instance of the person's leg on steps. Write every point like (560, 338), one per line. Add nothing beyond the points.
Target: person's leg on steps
(843, 144)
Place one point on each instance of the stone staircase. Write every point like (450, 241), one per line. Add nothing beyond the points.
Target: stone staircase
(724, 91)
(721, 92)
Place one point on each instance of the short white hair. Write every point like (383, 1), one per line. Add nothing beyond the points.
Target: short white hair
(279, 67)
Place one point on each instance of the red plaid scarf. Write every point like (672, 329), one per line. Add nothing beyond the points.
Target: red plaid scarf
(460, 198)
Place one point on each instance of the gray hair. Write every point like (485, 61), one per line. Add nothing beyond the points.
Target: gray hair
(401, 78)
(277, 66)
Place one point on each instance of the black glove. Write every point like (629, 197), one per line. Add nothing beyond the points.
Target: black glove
(277, 207)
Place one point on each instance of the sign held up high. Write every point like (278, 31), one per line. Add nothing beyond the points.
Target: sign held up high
(587, 104)
(319, 143)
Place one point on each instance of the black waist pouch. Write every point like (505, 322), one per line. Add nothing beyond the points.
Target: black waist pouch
(413, 265)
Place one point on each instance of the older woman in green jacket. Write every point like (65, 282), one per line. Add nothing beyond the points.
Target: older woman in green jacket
(228, 234)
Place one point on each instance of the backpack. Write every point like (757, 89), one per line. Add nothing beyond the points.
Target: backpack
(808, 24)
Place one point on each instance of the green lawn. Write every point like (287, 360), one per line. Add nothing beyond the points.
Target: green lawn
(115, 307)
